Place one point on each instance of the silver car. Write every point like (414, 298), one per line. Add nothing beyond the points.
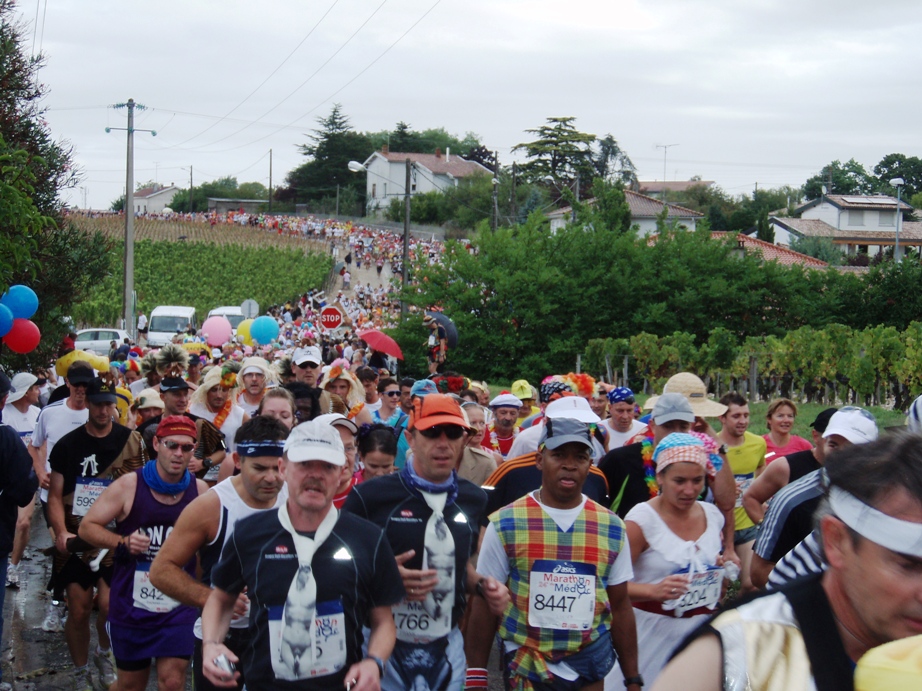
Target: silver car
(98, 340)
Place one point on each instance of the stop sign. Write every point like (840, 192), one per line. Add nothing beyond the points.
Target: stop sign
(331, 318)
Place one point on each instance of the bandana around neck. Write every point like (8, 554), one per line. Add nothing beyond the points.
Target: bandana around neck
(419, 485)
(161, 486)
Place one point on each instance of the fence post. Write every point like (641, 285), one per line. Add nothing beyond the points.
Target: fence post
(753, 378)
(608, 368)
(579, 362)
(624, 371)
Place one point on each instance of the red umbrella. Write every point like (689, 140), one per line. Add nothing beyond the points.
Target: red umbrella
(382, 343)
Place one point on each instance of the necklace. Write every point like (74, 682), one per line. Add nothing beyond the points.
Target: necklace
(494, 439)
(649, 469)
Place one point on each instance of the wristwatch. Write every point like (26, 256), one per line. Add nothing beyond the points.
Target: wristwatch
(207, 463)
(722, 449)
(638, 680)
(380, 663)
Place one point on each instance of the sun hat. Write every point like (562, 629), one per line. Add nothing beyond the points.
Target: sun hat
(148, 398)
(690, 386)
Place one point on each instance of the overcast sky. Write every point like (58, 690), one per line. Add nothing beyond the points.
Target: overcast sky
(760, 91)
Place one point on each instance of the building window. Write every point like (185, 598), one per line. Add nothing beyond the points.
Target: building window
(385, 189)
(887, 218)
(374, 190)
(856, 217)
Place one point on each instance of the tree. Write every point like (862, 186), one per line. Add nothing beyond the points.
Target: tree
(840, 178)
(611, 162)
(899, 166)
(252, 190)
(559, 151)
(764, 229)
(820, 248)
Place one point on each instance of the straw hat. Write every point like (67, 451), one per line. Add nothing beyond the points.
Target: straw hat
(690, 386)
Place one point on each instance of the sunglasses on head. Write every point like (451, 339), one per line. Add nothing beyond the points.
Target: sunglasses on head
(451, 431)
(309, 365)
(173, 445)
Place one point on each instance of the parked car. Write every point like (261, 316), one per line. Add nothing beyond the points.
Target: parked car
(98, 340)
(166, 321)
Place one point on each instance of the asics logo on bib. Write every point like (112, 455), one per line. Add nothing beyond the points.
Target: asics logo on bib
(562, 568)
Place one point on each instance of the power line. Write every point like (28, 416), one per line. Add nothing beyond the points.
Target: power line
(263, 82)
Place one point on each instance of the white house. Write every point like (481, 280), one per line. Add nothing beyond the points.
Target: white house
(857, 223)
(644, 212)
(154, 199)
(387, 174)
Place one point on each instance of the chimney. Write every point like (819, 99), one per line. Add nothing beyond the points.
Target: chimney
(447, 154)
(385, 149)
(438, 152)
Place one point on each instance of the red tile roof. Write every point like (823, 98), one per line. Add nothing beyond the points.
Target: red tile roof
(455, 165)
(151, 191)
(657, 186)
(641, 206)
(775, 253)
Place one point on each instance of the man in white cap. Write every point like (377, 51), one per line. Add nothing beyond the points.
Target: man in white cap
(811, 633)
(306, 363)
(503, 429)
(254, 373)
(314, 577)
(789, 518)
(21, 413)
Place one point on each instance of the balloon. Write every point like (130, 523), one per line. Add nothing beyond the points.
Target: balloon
(243, 332)
(6, 320)
(264, 330)
(21, 301)
(23, 337)
(218, 330)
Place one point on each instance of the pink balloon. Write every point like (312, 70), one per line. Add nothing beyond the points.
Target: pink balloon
(218, 331)
(24, 337)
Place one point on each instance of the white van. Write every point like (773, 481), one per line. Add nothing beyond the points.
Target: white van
(166, 321)
(233, 314)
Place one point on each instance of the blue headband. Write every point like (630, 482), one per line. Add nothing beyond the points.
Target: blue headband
(620, 394)
(260, 448)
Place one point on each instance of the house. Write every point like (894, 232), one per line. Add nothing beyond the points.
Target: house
(655, 188)
(857, 223)
(387, 174)
(773, 253)
(644, 212)
(154, 199)
(248, 206)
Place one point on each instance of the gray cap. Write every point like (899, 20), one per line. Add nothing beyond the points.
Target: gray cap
(672, 406)
(563, 430)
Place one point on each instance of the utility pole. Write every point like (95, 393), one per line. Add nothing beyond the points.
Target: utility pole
(270, 181)
(665, 148)
(337, 200)
(755, 193)
(495, 182)
(191, 207)
(515, 200)
(406, 239)
(128, 303)
(575, 198)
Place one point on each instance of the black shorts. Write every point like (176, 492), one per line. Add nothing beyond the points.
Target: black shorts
(76, 571)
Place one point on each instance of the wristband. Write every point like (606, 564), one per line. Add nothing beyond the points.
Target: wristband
(479, 588)
(633, 680)
(210, 642)
(381, 664)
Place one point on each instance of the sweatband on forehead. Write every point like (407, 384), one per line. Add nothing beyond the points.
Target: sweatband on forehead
(897, 535)
(260, 448)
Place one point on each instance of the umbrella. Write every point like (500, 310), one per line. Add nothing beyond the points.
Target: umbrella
(382, 343)
(451, 331)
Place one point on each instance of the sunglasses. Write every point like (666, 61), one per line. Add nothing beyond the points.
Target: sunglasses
(308, 365)
(173, 445)
(453, 432)
(392, 394)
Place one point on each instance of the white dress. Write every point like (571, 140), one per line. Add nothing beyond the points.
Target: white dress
(658, 635)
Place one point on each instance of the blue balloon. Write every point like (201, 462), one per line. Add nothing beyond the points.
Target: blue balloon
(264, 330)
(21, 301)
(6, 320)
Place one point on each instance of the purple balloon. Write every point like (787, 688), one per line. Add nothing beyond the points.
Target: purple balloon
(21, 301)
(6, 320)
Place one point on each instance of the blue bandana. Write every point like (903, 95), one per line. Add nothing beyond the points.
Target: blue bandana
(158, 484)
(416, 484)
(620, 394)
(260, 448)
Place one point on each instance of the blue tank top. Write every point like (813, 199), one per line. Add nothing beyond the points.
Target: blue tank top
(133, 601)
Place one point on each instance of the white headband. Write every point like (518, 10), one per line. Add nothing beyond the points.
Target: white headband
(904, 537)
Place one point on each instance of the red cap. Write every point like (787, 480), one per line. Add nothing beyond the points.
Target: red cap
(172, 425)
(436, 409)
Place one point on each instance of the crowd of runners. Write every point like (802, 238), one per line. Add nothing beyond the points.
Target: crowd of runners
(298, 516)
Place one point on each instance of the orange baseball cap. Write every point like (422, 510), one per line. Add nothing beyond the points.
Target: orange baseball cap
(436, 409)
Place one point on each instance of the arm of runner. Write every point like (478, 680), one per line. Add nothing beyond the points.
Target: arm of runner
(490, 589)
(764, 487)
(216, 618)
(623, 630)
(56, 512)
(759, 570)
(196, 527)
(417, 582)
(667, 589)
(724, 488)
(38, 463)
(113, 504)
(697, 668)
(365, 675)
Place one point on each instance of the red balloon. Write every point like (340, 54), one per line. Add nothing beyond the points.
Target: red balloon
(23, 337)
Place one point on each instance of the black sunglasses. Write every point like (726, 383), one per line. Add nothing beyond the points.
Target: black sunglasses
(391, 393)
(173, 445)
(311, 365)
(453, 432)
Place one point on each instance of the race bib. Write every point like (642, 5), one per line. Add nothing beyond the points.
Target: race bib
(742, 484)
(432, 340)
(86, 493)
(291, 655)
(703, 591)
(211, 475)
(561, 595)
(422, 622)
(146, 596)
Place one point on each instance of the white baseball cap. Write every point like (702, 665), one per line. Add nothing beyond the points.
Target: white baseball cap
(315, 441)
(309, 354)
(572, 407)
(853, 423)
(21, 383)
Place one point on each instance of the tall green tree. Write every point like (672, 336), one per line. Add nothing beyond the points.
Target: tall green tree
(611, 162)
(840, 178)
(559, 150)
(899, 166)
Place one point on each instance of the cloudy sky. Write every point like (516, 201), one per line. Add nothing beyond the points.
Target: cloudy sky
(760, 91)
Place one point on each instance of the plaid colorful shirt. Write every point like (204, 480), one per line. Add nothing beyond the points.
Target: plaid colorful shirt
(528, 534)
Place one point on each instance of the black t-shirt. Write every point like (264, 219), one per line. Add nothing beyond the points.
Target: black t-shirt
(623, 467)
(354, 567)
(801, 463)
(387, 502)
(78, 454)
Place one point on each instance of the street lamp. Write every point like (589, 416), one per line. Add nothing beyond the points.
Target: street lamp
(357, 167)
(898, 183)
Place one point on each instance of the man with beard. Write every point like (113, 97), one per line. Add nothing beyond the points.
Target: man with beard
(503, 430)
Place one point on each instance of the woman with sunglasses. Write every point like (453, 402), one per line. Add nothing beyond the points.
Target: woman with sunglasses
(389, 413)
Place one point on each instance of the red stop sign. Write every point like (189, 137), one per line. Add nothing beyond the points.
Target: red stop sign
(331, 318)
